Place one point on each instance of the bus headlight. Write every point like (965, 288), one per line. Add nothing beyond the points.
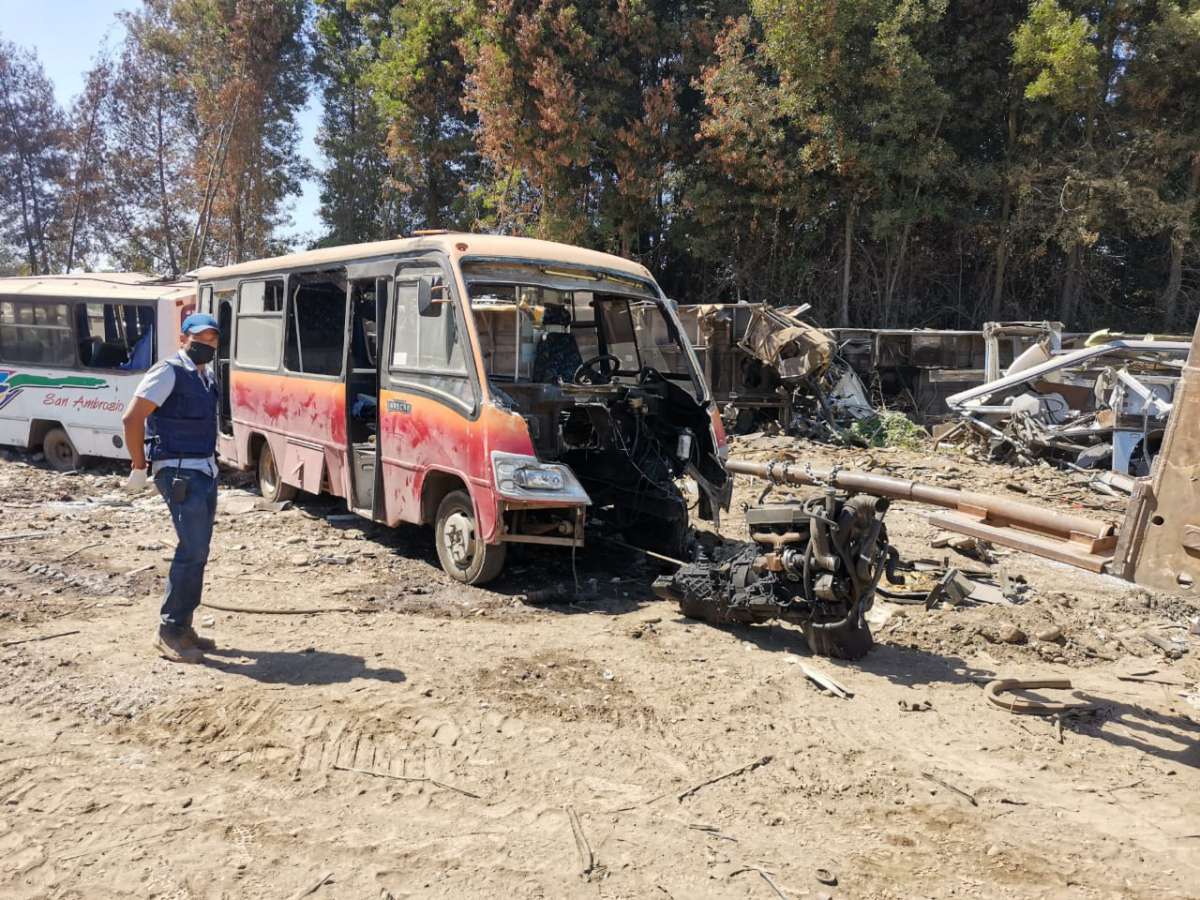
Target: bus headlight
(539, 478)
(526, 478)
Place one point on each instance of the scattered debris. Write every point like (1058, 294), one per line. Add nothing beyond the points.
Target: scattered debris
(587, 859)
(280, 611)
(33, 640)
(826, 877)
(713, 831)
(765, 875)
(768, 367)
(1104, 405)
(325, 879)
(740, 770)
(994, 689)
(1172, 649)
(948, 786)
(825, 682)
(24, 536)
(412, 778)
(76, 552)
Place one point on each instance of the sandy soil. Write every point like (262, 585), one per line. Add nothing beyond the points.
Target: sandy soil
(437, 741)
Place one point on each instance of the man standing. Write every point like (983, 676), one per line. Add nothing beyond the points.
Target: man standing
(173, 420)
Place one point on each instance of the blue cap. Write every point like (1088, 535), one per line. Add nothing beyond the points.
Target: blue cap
(199, 322)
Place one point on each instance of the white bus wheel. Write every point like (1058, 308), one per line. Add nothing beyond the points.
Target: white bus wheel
(60, 452)
(462, 554)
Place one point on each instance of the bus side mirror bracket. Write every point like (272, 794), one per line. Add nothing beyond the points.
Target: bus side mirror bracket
(426, 306)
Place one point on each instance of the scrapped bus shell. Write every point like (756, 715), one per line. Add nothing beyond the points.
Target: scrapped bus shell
(334, 382)
(73, 349)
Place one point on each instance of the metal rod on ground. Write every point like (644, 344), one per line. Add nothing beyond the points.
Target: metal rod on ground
(1024, 515)
(664, 558)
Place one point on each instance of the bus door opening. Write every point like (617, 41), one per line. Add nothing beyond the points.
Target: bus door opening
(368, 298)
(225, 321)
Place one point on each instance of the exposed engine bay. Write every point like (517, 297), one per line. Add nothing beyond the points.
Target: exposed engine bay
(614, 396)
(815, 564)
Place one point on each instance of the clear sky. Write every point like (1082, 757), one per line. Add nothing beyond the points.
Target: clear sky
(66, 35)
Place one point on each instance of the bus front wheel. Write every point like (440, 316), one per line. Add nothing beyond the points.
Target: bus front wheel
(463, 555)
(61, 454)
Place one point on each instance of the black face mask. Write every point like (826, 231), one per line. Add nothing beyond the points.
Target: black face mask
(200, 354)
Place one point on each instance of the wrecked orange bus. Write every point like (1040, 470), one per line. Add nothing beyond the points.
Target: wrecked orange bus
(500, 389)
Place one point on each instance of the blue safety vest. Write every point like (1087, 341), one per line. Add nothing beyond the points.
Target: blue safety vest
(185, 426)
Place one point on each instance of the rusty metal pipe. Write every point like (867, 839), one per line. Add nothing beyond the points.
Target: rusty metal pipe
(996, 509)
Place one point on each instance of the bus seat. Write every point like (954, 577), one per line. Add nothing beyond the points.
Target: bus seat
(142, 353)
(109, 356)
(557, 358)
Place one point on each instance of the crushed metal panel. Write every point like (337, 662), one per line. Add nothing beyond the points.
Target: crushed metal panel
(1159, 547)
(793, 347)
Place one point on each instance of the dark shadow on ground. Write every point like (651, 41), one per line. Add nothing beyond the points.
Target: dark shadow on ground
(900, 665)
(1140, 728)
(305, 667)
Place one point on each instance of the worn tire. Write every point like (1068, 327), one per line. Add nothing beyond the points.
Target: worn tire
(270, 483)
(60, 453)
(478, 563)
(847, 642)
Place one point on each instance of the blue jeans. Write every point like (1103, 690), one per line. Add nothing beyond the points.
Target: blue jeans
(193, 518)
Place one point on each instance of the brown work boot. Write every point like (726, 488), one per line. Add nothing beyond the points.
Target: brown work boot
(203, 644)
(172, 644)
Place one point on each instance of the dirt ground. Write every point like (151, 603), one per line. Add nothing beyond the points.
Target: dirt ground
(436, 741)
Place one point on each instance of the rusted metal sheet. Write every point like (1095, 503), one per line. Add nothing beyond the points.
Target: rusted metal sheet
(789, 345)
(1067, 551)
(1160, 545)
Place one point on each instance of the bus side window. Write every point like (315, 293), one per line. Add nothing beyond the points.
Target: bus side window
(37, 333)
(316, 314)
(259, 333)
(115, 336)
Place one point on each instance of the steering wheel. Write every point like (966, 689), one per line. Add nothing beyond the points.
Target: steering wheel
(587, 374)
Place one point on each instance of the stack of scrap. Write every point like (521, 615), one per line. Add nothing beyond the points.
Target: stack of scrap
(1104, 406)
(824, 393)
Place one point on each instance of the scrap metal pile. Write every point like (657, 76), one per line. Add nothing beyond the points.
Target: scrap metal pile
(1102, 406)
(769, 368)
(816, 564)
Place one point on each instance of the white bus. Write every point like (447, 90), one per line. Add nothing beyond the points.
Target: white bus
(73, 349)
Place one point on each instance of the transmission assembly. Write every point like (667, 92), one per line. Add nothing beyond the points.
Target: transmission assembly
(815, 563)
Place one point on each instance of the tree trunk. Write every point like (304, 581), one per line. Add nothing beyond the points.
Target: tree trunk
(847, 249)
(80, 189)
(30, 247)
(1179, 238)
(164, 205)
(1004, 248)
(1070, 290)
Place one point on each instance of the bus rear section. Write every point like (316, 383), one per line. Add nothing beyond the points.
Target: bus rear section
(72, 351)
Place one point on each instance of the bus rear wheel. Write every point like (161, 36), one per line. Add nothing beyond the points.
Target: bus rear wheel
(60, 453)
(462, 554)
(270, 484)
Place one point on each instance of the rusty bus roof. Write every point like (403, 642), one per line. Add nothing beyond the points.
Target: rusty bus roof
(461, 245)
(97, 286)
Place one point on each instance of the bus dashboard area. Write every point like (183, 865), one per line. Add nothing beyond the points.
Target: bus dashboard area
(608, 393)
